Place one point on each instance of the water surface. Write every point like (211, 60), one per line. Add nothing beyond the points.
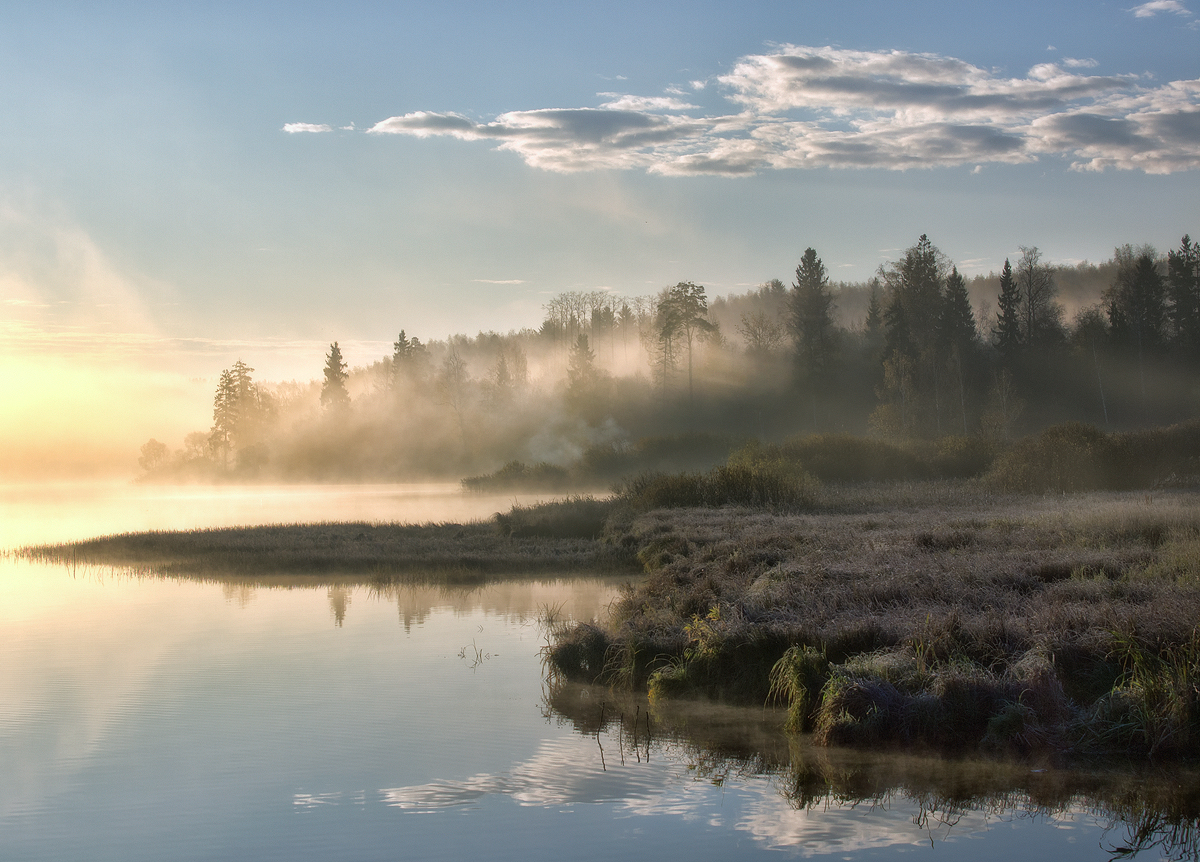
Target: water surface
(148, 718)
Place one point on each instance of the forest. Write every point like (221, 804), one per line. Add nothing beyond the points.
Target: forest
(609, 386)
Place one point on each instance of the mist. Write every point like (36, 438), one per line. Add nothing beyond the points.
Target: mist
(606, 384)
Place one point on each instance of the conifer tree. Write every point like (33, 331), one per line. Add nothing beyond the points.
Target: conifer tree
(873, 328)
(333, 391)
(1007, 333)
(957, 320)
(811, 320)
(1183, 280)
(958, 338)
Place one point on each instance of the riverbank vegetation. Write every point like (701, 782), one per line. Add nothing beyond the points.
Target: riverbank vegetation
(366, 552)
(1037, 597)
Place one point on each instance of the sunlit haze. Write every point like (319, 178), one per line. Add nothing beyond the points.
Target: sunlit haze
(183, 186)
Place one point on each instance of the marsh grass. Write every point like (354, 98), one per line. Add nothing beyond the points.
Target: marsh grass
(759, 485)
(959, 620)
(372, 552)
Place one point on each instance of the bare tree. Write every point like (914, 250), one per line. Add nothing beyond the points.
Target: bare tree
(1040, 315)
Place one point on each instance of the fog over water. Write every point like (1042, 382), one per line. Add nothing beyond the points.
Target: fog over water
(36, 513)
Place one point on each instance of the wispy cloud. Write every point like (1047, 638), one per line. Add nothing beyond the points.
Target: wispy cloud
(1080, 63)
(621, 102)
(1149, 10)
(808, 107)
(293, 128)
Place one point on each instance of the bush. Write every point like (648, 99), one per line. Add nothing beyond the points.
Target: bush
(517, 474)
(740, 485)
(1069, 457)
(572, 518)
(845, 458)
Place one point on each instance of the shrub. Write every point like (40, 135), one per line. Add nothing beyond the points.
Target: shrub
(572, 518)
(739, 485)
(845, 458)
(1068, 457)
(517, 474)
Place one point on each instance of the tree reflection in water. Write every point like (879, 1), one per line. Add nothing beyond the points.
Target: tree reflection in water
(1141, 809)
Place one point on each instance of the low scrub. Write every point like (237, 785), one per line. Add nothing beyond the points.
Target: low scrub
(1076, 457)
(751, 485)
(581, 517)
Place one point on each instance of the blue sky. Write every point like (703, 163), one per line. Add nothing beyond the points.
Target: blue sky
(152, 203)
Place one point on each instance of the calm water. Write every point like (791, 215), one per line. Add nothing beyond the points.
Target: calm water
(152, 719)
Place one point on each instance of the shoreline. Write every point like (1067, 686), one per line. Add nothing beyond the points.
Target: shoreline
(936, 614)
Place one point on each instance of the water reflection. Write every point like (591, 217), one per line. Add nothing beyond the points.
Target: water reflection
(821, 794)
(245, 716)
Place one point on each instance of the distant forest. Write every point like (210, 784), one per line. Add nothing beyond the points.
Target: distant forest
(918, 353)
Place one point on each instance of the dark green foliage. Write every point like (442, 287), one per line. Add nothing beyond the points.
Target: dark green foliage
(1137, 302)
(1007, 333)
(957, 321)
(811, 320)
(1183, 280)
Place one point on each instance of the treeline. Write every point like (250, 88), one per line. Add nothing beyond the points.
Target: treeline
(917, 353)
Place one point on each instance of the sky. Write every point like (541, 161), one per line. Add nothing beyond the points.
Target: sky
(182, 185)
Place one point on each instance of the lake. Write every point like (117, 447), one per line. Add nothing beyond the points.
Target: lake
(150, 718)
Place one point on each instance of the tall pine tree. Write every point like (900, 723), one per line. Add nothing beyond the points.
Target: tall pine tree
(1007, 333)
(333, 391)
(1183, 286)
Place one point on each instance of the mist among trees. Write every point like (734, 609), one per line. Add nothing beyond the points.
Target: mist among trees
(919, 352)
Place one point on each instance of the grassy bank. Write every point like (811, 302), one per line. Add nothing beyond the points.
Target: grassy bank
(938, 614)
(371, 552)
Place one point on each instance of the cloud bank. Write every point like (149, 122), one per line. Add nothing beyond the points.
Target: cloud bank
(807, 107)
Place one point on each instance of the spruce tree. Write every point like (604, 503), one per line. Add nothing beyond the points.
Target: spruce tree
(811, 321)
(333, 391)
(957, 320)
(1007, 333)
(1183, 283)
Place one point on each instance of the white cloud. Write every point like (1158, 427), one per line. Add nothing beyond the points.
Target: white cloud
(643, 103)
(499, 280)
(809, 107)
(1149, 10)
(1080, 62)
(293, 128)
